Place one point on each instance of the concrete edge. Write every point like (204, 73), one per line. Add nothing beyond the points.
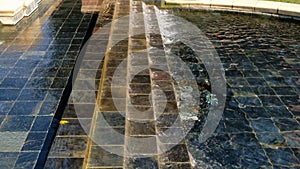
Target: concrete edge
(256, 7)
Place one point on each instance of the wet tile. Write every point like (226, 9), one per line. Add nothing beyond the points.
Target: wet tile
(48, 108)
(111, 119)
(39, 83)
(139, 88)
(271, 139)
(248, 101)
(178, 153)
(257, 82)
(244, 140)
(140, 79)
(42, 123)
(287, 124)
(279, 111)
(264, 125)
(175, 166)
(12, 141)
(285, 90)
(17, 123)
(282, 156)
(136, 146)
(74, 127)
(252, 158)
(162, 107)
(141, 128)
(79, 110)
(13, 83)
(27, 160)
(33, 94)
(233, 114)
(25, 108)
(59, 83)
(136, 162)
(142, 100)
(163, 85)
(256, 112)
(103, 157)
(270, 101)
(8, 159)
(34, 141)
(9, 94)
(168, 120)
(75, 163)
(5, 107)
(237, 125)
(68, 147)
(261, 90)
(293, 138)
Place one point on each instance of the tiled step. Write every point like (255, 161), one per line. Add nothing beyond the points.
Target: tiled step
(106, 146)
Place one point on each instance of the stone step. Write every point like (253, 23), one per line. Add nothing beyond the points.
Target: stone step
(12, 11)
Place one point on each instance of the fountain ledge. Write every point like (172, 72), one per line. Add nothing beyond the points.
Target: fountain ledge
(12, 11)
(258, 6)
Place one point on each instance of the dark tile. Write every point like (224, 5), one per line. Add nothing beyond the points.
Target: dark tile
(140, 79)
(287, 124)
(282, 156)
(13, 83)
(254, 158)
(141, 128)
(175, 166)
(9, 94)
(8, 159)
(34, 141)
(28, 63)
(244, 140)
(105, 157)
(233, 114)
(148, 162)
(168, 120)
(74, 127)
(285, 90)
(237, 125)
(27, 160)
(39, 83)
(279, 111)
(112, 119)
(270, 101)
(108, 136)
(20, 72)
(262, 90)
(178, 153)
(48, 108)
(24, 108)
(142, 100)
(33, 94)
(256, 112)
(42, 123)
(53, 95)
(17, 123)
(139, 88)
(292, 138)
(271, 139)
(68, 147)
(257, 82)
(5, 107)
(59, 83)
(263, 125)
(74, 163)
(79, 111)
(248, 101)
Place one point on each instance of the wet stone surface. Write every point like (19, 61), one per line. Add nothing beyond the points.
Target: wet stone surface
(36, 60)
(260, 56)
